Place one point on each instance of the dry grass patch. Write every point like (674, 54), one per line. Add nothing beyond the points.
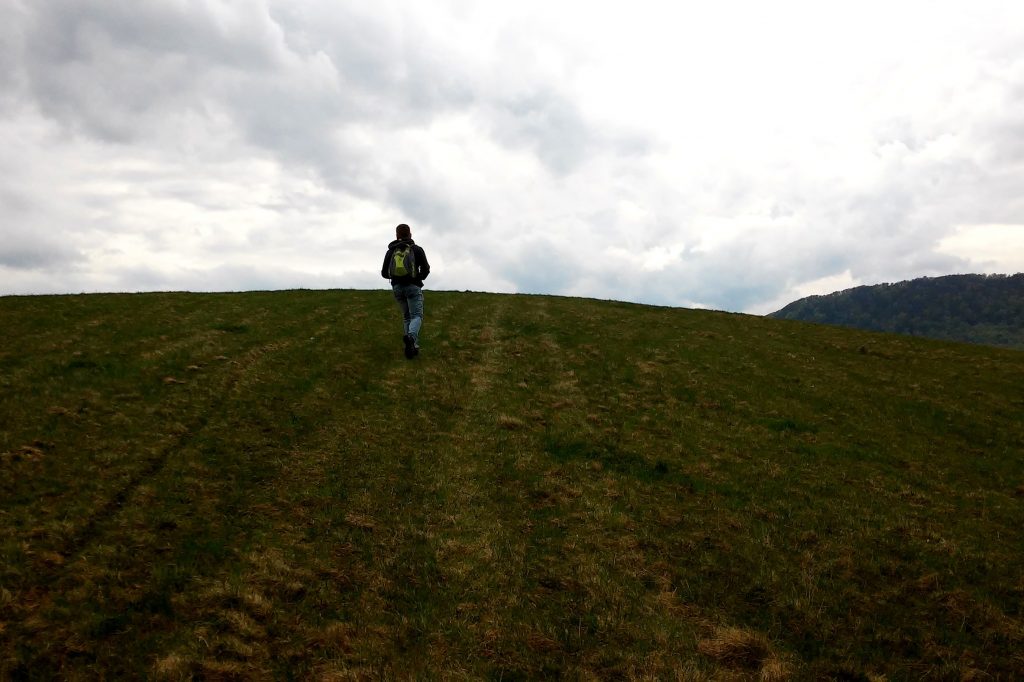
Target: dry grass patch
(360, 521)
(738, 648)
(172, 666)
(510, 423)
(336, 636)
(775, 670)
(226, 670)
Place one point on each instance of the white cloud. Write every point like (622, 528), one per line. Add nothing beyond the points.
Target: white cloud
(988, 248)
(728, 155)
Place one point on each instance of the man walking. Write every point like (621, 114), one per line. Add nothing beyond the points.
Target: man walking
(405, 264)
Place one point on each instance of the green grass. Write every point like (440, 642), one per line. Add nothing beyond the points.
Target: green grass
(259, 485)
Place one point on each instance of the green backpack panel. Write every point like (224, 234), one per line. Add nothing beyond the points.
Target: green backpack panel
(403, 262)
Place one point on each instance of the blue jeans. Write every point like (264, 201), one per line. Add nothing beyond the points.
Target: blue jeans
(410, 300)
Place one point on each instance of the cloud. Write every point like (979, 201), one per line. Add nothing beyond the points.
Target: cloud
(32, 251)
(994, 248)
(549, 126)
(120, 73)
(656, 154)
(539, 265)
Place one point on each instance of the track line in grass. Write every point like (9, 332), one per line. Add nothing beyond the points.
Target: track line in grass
(350, 506)
(92, 537)
(90, 528)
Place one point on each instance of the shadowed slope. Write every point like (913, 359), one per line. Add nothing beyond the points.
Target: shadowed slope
(256, 485)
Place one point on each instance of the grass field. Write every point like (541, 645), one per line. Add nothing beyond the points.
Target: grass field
(259, 485)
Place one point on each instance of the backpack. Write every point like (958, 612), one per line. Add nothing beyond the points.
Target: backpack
(403, 262)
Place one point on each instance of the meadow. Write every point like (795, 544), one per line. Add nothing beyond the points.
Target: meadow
(260, 486)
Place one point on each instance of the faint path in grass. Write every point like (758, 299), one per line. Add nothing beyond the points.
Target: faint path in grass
(129, 522)
(90, 528)
(481, 552)
(350, 519)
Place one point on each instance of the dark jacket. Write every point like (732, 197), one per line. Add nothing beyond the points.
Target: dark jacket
(422, 266)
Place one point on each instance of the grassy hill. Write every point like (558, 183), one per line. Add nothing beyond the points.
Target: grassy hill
(259, 485)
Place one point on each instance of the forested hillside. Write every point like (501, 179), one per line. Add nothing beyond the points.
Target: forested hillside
(986, 309)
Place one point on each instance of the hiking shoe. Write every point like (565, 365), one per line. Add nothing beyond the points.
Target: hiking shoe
(411, 349)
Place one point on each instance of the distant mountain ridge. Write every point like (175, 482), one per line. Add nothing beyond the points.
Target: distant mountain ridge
(985, 309)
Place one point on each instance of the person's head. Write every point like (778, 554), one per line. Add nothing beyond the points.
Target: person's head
(403, 231)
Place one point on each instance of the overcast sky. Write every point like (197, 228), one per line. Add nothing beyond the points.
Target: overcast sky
(733, 154)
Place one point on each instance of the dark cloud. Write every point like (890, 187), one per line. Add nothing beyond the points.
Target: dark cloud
(393, 75)
(549, 126)
(11, 56)
(30, 250)
(539, 265)
(122, 71)
(292, 81)
(419, 204)
(125, 72)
